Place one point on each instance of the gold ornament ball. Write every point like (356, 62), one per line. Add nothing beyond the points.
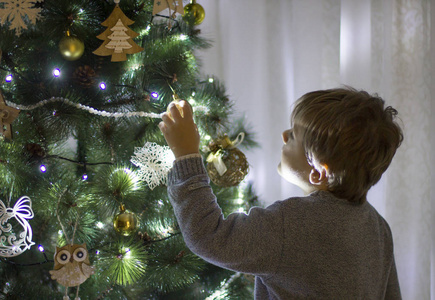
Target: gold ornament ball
(196, 10)
(125, 222)
(71, 47)
(180, 109)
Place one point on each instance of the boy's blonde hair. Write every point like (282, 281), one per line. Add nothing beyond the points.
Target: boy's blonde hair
(351, 134)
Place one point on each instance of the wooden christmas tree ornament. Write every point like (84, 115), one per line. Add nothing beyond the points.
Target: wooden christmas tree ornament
(7, 116)
(118, 38)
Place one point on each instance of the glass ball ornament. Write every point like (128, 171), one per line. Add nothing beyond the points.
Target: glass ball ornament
(125, 223)
(177, 104)
(71, 47)
(196, 10)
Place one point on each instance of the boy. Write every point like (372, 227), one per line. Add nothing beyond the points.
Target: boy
(330, 244)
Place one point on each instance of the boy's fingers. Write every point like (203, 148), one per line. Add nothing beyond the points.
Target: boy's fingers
(162, 126)
(167, 119)
(187, 109)
(173, 109)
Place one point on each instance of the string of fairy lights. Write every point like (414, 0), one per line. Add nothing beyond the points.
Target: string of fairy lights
(56, 72)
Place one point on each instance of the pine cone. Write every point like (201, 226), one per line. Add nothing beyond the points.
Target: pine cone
(144, 236)
(35, 151)
(85, 76)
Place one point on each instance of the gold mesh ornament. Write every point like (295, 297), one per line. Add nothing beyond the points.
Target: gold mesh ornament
(234, 160)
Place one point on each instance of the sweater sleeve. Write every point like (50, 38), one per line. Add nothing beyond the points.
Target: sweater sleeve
(249, 243)
(393, 287)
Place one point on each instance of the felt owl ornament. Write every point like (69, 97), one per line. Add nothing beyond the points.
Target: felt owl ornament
(71, 265)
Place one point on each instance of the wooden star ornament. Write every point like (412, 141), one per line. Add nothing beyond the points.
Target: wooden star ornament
(7, 116)
(173, 5)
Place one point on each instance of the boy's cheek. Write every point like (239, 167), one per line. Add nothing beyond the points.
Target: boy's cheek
(279, 170)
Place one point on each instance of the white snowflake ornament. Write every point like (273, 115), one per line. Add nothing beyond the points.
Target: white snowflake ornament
(154, 162)
(17, 12)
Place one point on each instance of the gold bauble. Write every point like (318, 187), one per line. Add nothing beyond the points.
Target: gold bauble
(177, 104)
(196, 10)
(125, 222)
(71, 47)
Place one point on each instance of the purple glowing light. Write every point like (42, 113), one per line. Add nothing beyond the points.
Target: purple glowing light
(56, 72)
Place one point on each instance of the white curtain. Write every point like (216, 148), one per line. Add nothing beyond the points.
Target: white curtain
(270, 52)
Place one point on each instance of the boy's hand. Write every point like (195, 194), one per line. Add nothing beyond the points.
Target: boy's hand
(180, 133)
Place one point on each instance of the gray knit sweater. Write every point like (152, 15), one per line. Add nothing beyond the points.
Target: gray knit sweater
(314, 247)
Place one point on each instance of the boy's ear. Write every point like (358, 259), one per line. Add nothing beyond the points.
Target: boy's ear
(319, 177)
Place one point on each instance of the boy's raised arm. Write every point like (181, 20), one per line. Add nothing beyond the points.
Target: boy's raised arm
(249, 243)
(239, 242)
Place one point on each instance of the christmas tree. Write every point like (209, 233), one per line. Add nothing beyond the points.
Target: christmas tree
(84, 210)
